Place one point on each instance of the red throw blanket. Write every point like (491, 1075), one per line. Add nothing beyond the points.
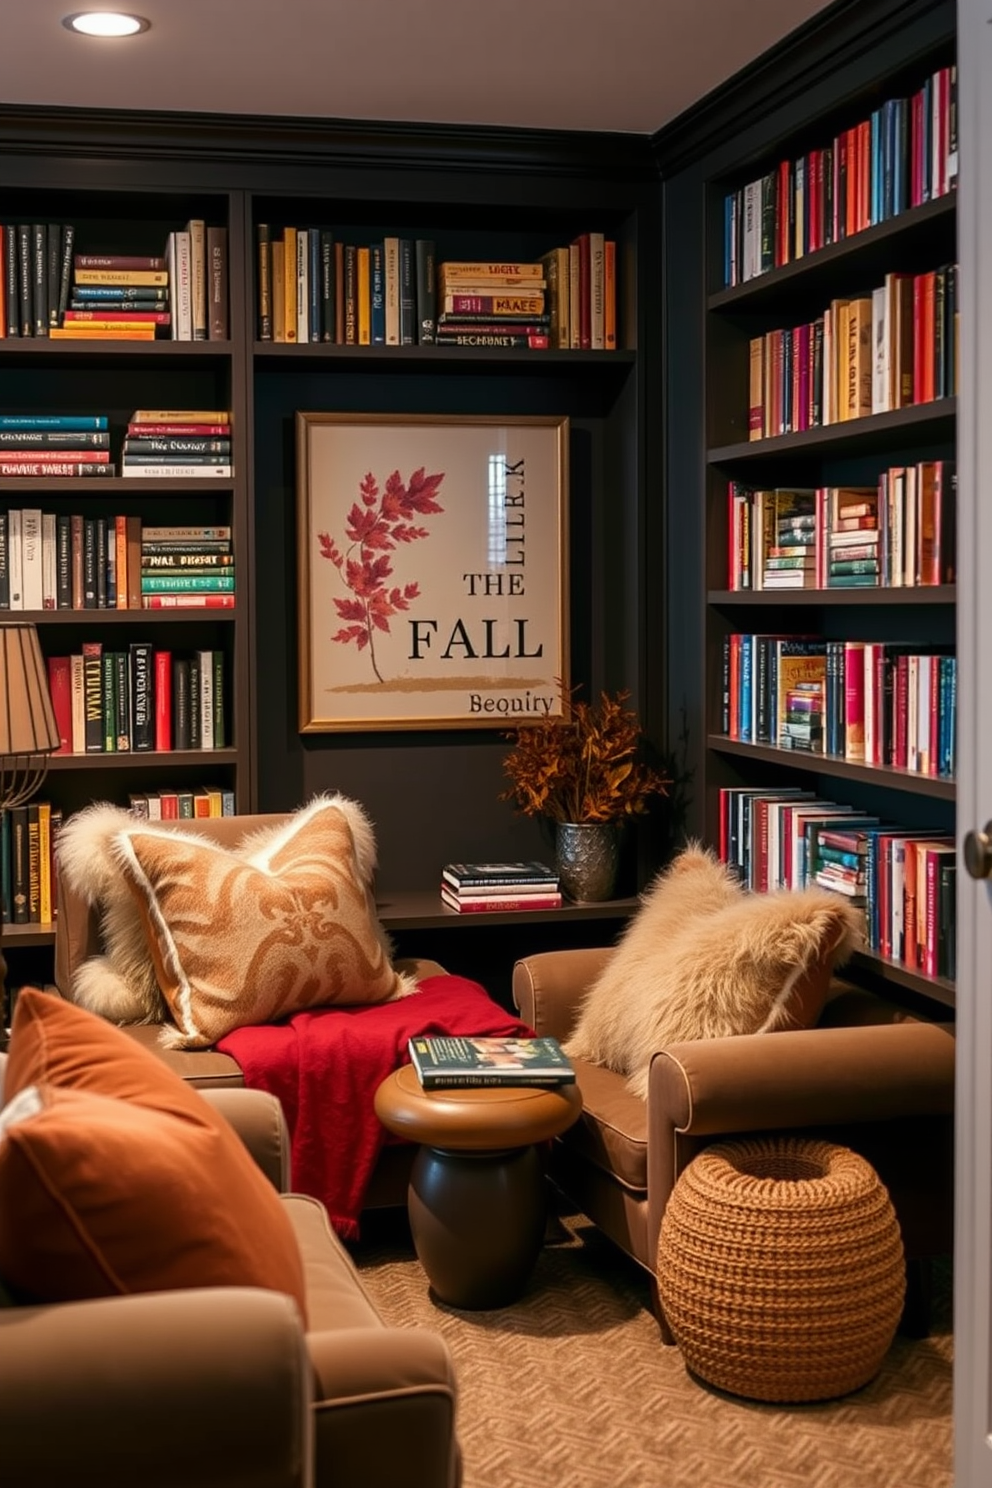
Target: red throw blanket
(326, 1065)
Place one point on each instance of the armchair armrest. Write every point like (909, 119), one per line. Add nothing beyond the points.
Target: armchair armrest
(209, 1388)
(548, 988)
(829, 1077)
(805, 1077)
(259, 1121)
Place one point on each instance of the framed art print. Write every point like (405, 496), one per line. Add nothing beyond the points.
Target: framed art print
(432, 570)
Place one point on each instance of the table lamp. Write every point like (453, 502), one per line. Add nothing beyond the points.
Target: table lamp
(28, 731)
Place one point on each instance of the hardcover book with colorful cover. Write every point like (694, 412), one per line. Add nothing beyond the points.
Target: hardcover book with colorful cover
(500, 877)
(447, 1061)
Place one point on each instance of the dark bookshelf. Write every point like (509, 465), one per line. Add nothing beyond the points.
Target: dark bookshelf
(830, 80)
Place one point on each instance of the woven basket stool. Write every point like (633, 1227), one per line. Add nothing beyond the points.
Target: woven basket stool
(780, 1268)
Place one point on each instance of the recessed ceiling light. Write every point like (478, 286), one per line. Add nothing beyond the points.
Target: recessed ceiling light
(105, 23)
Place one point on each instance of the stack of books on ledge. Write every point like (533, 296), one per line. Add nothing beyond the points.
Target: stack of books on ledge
(444, 1061)
(473, 888)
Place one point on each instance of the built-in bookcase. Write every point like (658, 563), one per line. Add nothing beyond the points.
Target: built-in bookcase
(125, 186)
(808, 739)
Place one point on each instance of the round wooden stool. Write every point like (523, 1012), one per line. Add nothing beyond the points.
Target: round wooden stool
(476, 1199)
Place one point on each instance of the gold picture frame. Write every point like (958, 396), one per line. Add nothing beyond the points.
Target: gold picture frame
(433, 570)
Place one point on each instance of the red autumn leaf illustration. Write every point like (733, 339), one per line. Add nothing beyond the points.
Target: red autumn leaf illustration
(374, 526)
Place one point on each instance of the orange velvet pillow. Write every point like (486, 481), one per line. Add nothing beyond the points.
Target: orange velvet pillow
(116, 1176)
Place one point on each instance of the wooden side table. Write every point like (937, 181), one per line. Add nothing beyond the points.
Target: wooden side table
(476, 1200)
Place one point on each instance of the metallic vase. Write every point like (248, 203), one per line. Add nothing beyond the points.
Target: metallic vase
(587, 855)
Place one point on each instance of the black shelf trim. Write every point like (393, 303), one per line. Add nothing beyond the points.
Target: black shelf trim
(129, 759)
(938, 989)
(418, 356)
(925, 594)
(120, 485)
(885, 776)
(99, 346)
(934, 420)
(753, 292)
(91, 618)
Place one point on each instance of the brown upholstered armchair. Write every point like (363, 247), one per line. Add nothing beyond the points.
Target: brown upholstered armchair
(869, 1076)
(219, 1386)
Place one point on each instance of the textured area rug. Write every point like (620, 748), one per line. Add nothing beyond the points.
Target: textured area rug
(571, 1388)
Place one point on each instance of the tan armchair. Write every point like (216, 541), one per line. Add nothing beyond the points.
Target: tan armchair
(221, 1386)
(869, 1076)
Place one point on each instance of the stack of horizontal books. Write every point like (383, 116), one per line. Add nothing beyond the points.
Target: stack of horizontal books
(473, 888)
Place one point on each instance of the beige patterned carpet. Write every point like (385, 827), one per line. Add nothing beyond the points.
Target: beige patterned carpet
(571, 1388)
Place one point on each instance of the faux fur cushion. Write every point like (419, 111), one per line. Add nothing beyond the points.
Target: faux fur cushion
(284, 921)
(702, 958)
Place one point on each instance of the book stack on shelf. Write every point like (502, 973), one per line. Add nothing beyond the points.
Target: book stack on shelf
(450, 1062)
(903, 879)
(491, 304)
(187, 567)
(478, 888)
(117, 297)
(870, 702)
(50, 445)
(34, 286)
(899, 533)
(140, 699)
(905, 153)
(176, 444)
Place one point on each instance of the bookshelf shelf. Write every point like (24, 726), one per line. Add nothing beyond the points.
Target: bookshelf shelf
(97, 619)
(161, 761)
(892, 976)
(921, 594)
(923, 422)
(419, 357)
(828, 764)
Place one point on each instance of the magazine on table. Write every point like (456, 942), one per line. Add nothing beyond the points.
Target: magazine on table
(449, 1061)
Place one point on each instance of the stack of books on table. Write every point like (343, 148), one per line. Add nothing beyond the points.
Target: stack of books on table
(474, 888)
(442, 1060)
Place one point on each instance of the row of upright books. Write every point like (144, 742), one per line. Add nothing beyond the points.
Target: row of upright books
(182, 803)
(904, 154)
(892, 349)
(475, 888)
(49, 290)
(900, 533)
(903, 880)
(70, 561)
(313, 287)
(869, 702)
(138, 699)
(28, 838)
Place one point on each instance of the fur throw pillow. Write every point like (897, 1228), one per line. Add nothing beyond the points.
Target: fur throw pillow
(703, 958)
(212, 937)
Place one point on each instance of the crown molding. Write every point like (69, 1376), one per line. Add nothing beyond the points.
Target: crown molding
(815, 52)
(122, 134)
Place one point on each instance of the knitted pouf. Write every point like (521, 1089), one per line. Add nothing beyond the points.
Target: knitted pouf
(780, 1268)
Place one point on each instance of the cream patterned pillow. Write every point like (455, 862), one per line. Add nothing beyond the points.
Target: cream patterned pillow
(284, 921)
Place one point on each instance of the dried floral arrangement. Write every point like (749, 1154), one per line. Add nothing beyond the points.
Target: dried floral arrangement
(584, 767)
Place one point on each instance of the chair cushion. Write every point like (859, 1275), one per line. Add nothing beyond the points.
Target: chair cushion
(284, 921)
(612, 1131)
(702, 958)
(117, 1177)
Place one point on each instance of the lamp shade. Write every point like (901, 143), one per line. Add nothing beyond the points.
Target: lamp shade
(27, 719)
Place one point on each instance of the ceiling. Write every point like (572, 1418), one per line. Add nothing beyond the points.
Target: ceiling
(630, 65)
